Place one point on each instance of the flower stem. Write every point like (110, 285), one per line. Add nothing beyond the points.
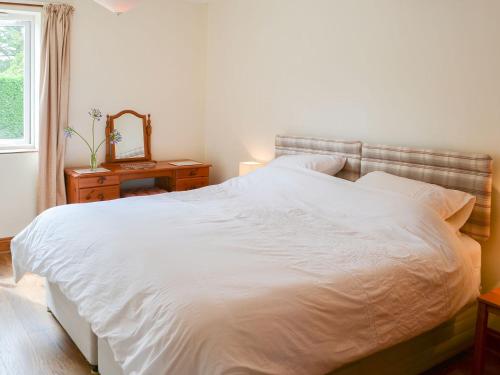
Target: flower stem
(100, 144)
(83, 139)
(93, 136)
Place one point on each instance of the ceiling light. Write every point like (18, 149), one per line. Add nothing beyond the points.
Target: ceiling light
(118, 6)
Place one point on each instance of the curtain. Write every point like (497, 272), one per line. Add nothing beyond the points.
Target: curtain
(54, 104)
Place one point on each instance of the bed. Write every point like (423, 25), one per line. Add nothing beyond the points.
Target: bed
(446, 330)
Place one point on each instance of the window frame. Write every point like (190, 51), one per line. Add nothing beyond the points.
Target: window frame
(31, 20)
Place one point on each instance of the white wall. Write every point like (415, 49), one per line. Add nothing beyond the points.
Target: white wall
(417, 73)
(17, 191)
(151, 59)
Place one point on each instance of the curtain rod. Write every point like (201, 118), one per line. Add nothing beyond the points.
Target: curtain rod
(21, 4)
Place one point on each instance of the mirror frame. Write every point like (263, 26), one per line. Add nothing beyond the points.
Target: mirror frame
(147, 129)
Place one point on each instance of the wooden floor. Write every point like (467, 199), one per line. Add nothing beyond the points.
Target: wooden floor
(32, 342)
(462, 365)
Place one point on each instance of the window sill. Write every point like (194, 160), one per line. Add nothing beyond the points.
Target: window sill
(18, 151)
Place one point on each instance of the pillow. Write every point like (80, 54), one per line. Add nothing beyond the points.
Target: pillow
(449, 204)
(329, 164)
(459, 218)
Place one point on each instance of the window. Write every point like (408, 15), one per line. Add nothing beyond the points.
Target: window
(19, 33)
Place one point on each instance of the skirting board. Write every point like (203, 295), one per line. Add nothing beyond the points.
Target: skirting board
(5, 245)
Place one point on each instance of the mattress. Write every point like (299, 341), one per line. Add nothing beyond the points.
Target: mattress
(281, 271)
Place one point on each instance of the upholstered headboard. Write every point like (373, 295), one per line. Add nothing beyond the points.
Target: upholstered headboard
(288, 145)
(469, 172)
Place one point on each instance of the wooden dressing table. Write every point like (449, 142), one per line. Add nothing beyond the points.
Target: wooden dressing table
(94, 187)
(128, 157)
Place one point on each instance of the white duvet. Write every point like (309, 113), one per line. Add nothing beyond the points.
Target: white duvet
(283, 271)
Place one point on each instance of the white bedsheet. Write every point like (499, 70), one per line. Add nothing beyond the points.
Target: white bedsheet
(283, 271)
(472, 249)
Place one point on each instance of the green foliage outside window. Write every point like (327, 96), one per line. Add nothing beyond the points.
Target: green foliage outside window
(11, 107)
(11, 82)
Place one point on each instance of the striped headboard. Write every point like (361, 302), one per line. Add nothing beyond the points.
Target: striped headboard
(467, 172)
(288, 145)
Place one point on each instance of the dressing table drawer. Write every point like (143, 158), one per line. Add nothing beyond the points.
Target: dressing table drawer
(191, 183)
(192, 172)
(99, 194)
(87, 182)
(105, 186)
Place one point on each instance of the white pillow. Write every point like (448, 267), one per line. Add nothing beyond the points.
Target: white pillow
(459, 218)
(449, 204)
(329, 164)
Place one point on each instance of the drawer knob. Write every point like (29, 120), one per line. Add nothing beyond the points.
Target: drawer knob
(101, 197)
(89, 195)
(101, 180)
(193, 172)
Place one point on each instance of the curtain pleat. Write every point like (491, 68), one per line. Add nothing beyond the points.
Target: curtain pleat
(54, 104)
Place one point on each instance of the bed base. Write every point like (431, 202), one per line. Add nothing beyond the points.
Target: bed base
(77, 328)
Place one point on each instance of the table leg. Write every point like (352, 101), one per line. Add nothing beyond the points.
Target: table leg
(479, 345)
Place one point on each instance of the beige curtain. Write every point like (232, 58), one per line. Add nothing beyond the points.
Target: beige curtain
(54, 104)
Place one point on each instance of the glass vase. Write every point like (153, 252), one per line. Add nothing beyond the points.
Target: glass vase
(93, 162)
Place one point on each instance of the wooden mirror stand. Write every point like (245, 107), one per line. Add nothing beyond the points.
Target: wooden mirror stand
(142, 136)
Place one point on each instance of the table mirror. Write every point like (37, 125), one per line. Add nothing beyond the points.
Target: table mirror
(128, 137)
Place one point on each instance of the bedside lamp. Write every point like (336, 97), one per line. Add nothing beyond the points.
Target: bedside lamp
(247, 167)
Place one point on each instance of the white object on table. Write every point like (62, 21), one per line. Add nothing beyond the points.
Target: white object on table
(184, 163)
(89, 171)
